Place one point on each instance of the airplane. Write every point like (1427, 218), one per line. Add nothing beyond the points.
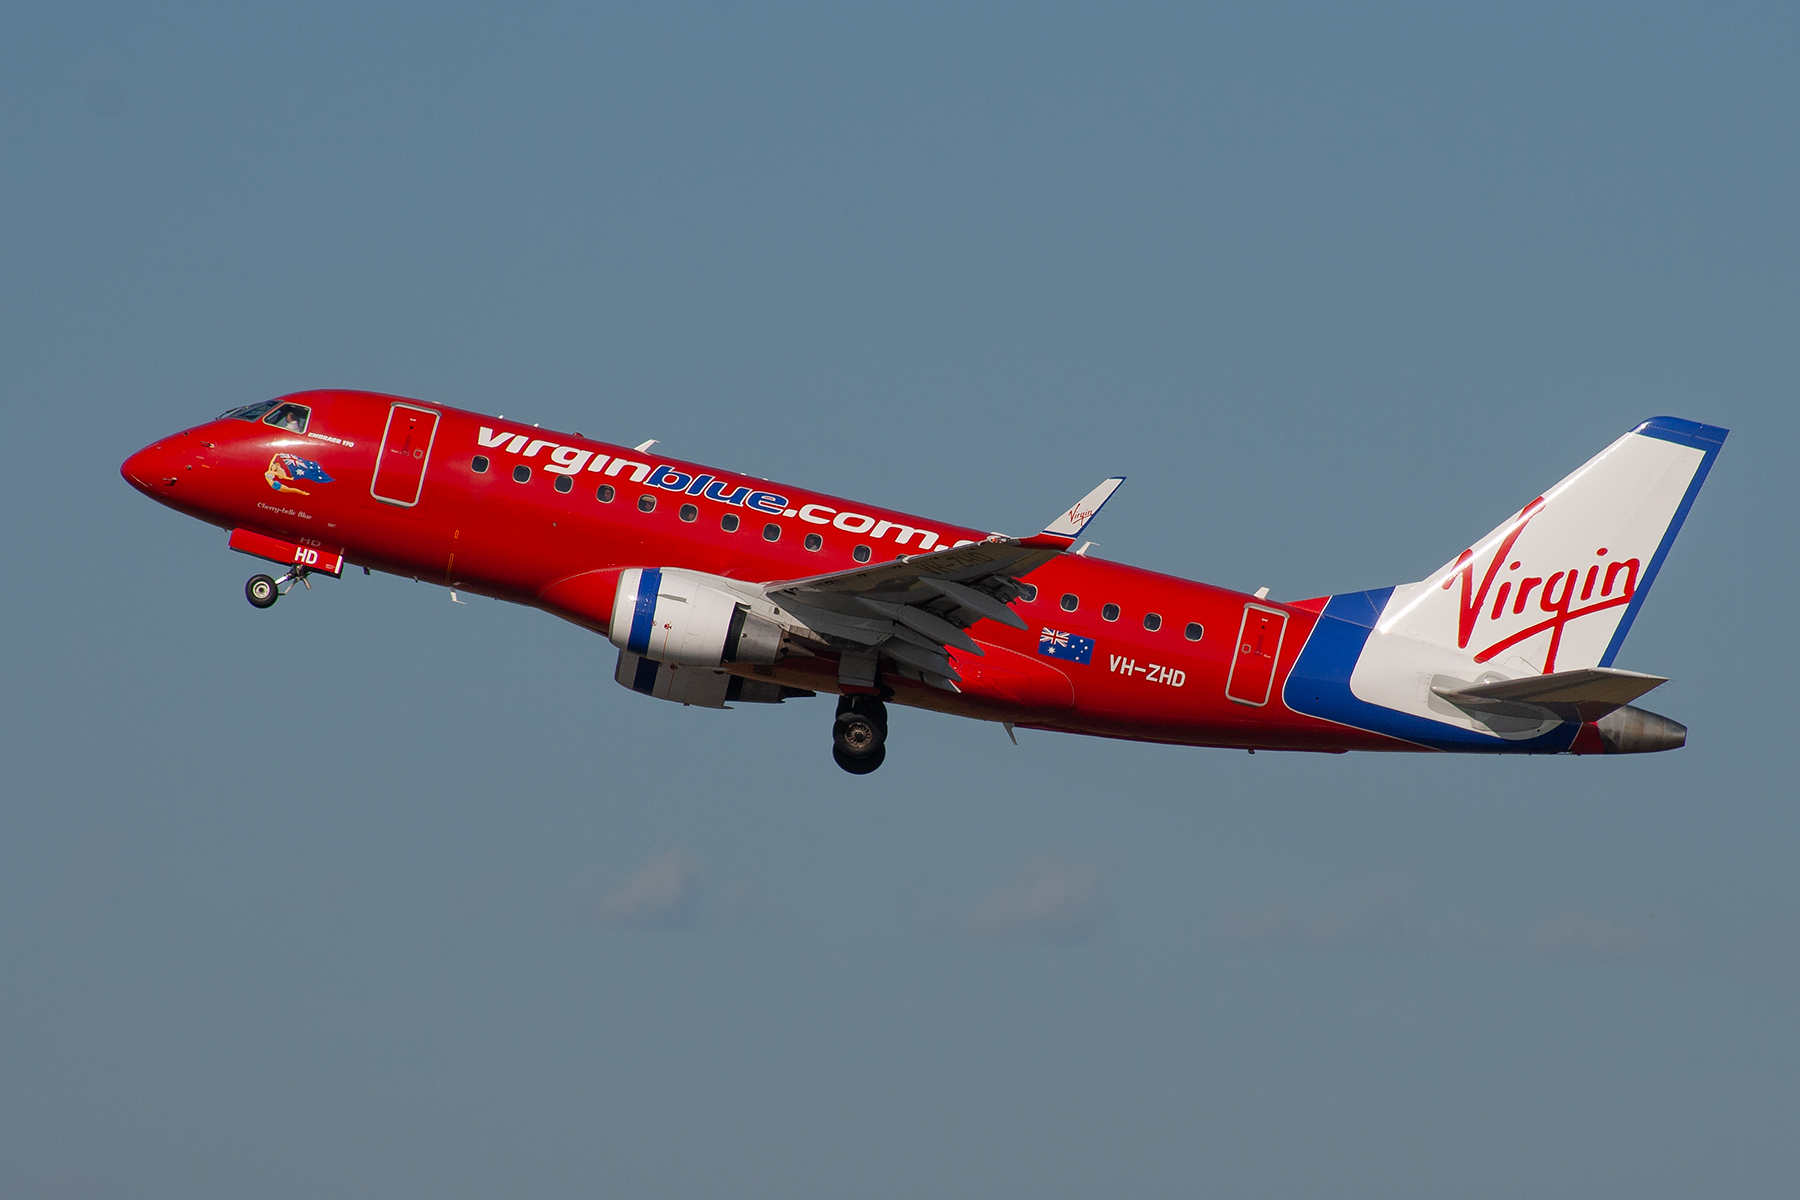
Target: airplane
(720, 588)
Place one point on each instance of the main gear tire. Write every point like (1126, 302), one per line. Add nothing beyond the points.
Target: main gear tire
(859, 734)
(859, 766)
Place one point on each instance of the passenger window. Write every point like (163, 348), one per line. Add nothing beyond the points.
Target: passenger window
(861, 554)
(814, 541)
(1153, 621)
(479, 464)
(605, 494)
(249, 412)
(1194, 631)
(771, 533)
(521, 473)
(1029, 591)
(291, 417)
(1069, 602)
(646, 503)
(1109, 612)
(729, 522)
(689, 512)
(564, 484)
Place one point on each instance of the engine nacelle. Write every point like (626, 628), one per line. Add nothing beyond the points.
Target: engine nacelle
(704, 687)
(675, 616)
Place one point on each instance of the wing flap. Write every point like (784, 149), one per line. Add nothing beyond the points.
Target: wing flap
(979, 603)
(934, 661)
(977, 561)
(934, 597)
(924, 621)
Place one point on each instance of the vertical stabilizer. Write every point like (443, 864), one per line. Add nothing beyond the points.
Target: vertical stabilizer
(1554, 588)
(1557, 585)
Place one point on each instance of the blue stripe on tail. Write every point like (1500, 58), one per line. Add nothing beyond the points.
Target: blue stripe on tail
(1319, 686)
(1706, 438)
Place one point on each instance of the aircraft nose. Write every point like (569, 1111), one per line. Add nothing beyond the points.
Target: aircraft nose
(150, 469)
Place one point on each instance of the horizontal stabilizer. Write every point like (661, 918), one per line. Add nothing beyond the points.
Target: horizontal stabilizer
(1586, 694)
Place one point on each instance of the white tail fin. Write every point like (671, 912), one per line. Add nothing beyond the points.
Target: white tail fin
(1553, 590)
(1558, 584)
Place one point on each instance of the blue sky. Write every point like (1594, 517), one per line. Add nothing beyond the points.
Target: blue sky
(376, 895)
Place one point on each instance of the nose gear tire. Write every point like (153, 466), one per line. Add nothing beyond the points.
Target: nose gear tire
(261, 591)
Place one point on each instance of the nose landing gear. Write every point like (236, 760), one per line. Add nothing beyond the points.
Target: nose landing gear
(263, 592)
(859, 734)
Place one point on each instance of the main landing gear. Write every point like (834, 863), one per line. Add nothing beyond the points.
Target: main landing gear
(859, 735)
(263, 592)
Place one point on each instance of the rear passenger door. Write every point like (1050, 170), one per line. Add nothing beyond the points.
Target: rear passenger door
(1253, 660)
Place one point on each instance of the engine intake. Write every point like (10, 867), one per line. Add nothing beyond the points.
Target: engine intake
(671, 615)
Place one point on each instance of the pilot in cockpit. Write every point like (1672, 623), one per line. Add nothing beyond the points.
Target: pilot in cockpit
(291, 417)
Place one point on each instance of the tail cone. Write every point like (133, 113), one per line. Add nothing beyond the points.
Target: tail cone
(1628, 730)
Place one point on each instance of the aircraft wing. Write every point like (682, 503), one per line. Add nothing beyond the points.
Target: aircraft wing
(914, 609)
(1582, 695)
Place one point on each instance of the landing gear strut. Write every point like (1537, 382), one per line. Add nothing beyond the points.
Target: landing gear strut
(859, 735)
(263, 592)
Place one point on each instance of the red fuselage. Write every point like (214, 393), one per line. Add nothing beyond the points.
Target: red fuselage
(553, 518)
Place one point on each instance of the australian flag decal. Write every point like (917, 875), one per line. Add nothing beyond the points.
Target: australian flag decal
(304, 468)
(1071, 647)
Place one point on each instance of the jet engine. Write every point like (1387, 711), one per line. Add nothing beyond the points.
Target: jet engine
(674, 616)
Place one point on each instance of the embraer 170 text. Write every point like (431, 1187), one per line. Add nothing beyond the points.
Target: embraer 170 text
(719, 588)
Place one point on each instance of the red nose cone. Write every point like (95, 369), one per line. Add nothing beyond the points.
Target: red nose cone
(149, 469)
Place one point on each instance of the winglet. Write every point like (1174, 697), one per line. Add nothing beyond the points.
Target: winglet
(1069, 525)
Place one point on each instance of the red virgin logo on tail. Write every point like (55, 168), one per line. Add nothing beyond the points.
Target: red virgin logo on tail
(1556, 595)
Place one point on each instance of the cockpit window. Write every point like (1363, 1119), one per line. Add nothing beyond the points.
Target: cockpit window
(249, 412)
(291, 417)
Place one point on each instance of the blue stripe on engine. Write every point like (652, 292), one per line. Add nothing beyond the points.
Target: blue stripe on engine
(649, 583)
(645, 679)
